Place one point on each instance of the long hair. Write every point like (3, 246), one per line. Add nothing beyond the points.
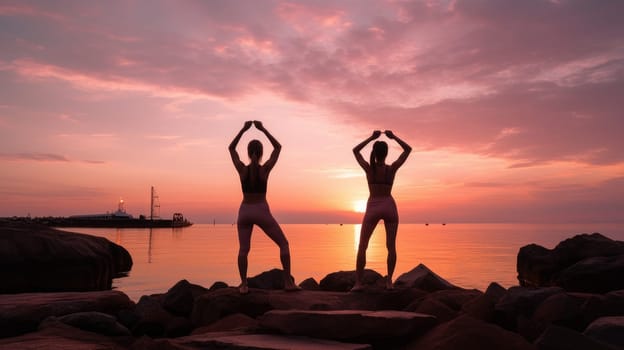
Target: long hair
(378, 154)
(254, 148)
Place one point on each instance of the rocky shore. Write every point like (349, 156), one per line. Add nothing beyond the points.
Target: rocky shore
(570, 297)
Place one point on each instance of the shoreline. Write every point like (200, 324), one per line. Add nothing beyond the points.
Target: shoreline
(562, 303)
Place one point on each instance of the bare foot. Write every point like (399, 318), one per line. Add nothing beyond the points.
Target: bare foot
(243, 289)
(358, 287)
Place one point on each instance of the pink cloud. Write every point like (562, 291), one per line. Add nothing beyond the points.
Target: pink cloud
(43, 157)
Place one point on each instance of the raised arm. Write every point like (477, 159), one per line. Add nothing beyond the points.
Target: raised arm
(277, 147)
(356, 150)
(238, 164)
(406, 149)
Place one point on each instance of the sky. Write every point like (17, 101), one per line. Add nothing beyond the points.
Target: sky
(513, 108)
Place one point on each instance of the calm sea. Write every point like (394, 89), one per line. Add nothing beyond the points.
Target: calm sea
(468, 255)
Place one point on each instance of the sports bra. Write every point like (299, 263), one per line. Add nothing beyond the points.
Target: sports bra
(255, 185)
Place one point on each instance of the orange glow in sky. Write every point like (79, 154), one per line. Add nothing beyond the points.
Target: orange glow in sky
(97, 106)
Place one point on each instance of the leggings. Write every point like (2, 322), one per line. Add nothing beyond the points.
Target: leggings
(381, 208)
(258, 213)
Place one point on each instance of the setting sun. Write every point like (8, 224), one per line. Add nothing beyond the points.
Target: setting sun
(359, 206)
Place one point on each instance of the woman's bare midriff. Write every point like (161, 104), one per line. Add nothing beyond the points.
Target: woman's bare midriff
(254, 197)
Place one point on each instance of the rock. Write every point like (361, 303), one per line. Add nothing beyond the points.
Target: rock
(434, 307)
(180, 298)
(423, 278)
(594, 275)
(152, 318)
(256, 342)
(343, 281)
(482, 307)
(128, 318)
(217, 304)
(558, 338)
(309, 284)
(122, 260)
(607, 330)
(36, 258)
(541, 267)
(234, 322)
(561, 309)
(444, 304)
(218, 285)
(272, 279)
(56, 335)
(351, 325)
(96, 322)
(178, 326)
(536, 265)
(467, 333)
(454, 298)
(21, 313)
(518, 304)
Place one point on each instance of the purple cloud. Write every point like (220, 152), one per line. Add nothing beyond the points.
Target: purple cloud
(457, 74)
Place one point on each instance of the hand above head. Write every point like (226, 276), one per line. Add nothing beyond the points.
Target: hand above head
(376, 134)
(389, 134)
(247, 125)
(258, 125)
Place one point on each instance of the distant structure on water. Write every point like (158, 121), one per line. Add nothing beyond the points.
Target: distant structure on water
(120, 218)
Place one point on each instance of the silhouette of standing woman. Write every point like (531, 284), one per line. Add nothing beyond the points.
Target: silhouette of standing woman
(380, 205)
(254, 209)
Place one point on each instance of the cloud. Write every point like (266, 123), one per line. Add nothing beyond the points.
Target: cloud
(44, 157)
(38, 157)
(531, 81)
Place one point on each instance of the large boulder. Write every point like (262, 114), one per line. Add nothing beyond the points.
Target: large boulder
(562, 309)
(37, 258)
(343, 281)
(350, 325)
(482, 307)
(541, 267)
(594, 275)
(422, 277)
(180, 298)
(607, 330)
(444, 304)
(92, 321)
(467, 333)
(272, 279)
(309, 284)
(21, 313)
(56, 335)
(153, 319)
(515, 309)
(559, 338)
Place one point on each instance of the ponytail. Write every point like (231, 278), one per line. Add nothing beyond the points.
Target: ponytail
(373, 159)
(378, 153)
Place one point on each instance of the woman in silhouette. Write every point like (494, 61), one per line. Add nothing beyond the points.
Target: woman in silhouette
(254, 209)
(380, 205)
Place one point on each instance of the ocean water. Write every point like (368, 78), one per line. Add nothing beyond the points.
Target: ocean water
(467, 255)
